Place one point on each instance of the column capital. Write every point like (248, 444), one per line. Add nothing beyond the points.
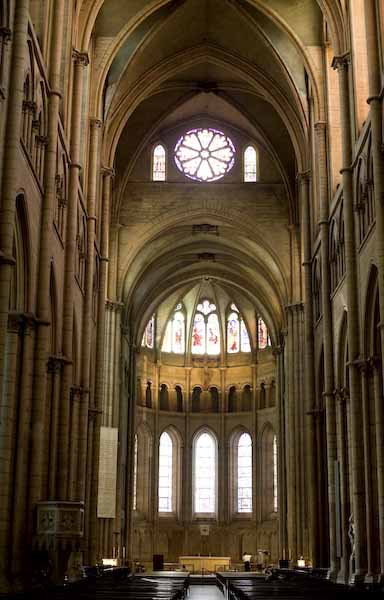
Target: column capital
(341, 62)
(296, 307)
(108, 172)
(55, 363)
(304, 176)
(320, 126)
(80, 58)
(5, 34)
(95, 122)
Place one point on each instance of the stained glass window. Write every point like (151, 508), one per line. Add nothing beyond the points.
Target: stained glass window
(158, 163)
(237, 334)
(205, 474)
(244, 474)
(174, 338)
(245, 343)
(165, 473)
(263, 336)
(213, 334)
(148, 336)
(198, 335)
(275, 493)
(178, 329)
(206, 330)
(135, 475)
(250, 164)
(205, 154)
(233, 333)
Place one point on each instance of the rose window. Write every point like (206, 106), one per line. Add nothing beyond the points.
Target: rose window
(205, 154)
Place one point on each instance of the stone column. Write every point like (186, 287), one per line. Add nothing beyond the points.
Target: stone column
(55, 365)
(375, 101)
(10, 168)
(282, 470)
(9, 416)
(7, 223)
(376, 364)
(80, 62)
(76, 398)
(358, 493)
(310, 395)
(85, 436)
(100, 352)
(22, 436)
(366, 426)
(291, 441)
(321, 158)
(342, 440)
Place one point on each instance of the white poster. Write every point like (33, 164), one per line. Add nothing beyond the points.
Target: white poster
(106, 501)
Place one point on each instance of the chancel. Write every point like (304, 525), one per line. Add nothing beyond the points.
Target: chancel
(191, 294)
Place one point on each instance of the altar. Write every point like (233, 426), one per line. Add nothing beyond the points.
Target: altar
(200, 564)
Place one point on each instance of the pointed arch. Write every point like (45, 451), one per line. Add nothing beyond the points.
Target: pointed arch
(159, 163)
(250, 164)
(205, 473)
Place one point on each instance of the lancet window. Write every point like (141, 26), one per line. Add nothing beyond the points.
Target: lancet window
(244, 474)
(263, 339)
(159, 163)
(165, 473)
(206, 330)
(148, 336)
(250, 164)
(205, 473)
(174, 338)
(237, 334)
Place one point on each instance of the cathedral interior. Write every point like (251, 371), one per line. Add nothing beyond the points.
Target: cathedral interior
(191, 284)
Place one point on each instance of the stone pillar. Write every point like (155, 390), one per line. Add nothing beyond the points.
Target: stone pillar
(365, 367)
(321, 158)
(22, 436)
(282, 469)
(100, 352)
(375, 101)
(76, 398)
(85, 427)
(310, 438)
(358, 493)
(342, 455)
(55, 365)
(376, 365)
(80, 62)
(9, 175)
(291, 442)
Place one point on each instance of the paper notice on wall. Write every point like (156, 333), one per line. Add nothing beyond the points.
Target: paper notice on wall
(106, 500)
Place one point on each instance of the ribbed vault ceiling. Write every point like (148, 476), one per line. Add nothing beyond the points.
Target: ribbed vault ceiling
(252, 65)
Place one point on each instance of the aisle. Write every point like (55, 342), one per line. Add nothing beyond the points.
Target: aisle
(205, 592)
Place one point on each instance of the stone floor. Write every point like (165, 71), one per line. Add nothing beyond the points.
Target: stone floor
(205, 592)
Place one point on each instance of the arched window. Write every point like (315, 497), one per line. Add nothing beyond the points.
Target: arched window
(148, 335)
(174, 339)
(269, 472)
(206, 330)
(275, 494)
(250, 164)
(165, 473)
(262, 334)
(135, 475)
(244, 474)
(237, 334)
(159, 163)
(205, 474)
